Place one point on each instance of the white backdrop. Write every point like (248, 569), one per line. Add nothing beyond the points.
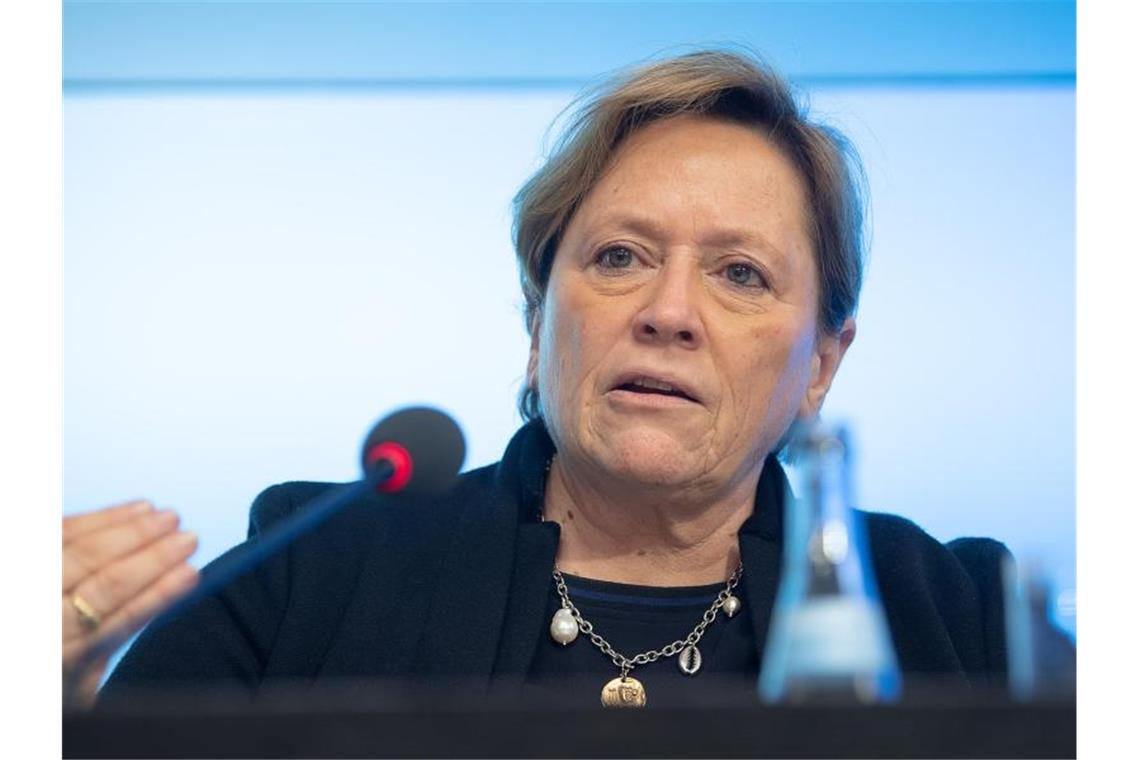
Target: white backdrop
(252, 279)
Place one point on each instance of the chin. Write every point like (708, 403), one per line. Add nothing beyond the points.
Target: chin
(653, 457)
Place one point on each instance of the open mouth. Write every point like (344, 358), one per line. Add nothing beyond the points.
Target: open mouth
(648, 385)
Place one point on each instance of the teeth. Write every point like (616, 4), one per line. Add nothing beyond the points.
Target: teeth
(648, 382)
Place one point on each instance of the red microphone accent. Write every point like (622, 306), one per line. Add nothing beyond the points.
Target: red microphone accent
(399, 458)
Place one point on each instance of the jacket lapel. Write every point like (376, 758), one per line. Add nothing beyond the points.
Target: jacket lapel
(461, 633)
(761, 548)
(526, 620)
(490, 561)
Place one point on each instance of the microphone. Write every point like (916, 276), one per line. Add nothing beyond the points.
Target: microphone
(417, 450)
(413, 450)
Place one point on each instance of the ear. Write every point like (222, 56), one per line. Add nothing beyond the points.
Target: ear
(829, 353)
(532, 358)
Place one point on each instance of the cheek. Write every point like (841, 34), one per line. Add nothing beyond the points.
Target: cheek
(772, 378)
(561, 347)
(798, 355)
(579, 332)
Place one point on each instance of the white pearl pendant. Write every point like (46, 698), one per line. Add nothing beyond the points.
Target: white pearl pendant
(563, 627)
(731, 605)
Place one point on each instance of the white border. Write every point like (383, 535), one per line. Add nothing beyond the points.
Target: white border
(31, 320)
(1108, 279)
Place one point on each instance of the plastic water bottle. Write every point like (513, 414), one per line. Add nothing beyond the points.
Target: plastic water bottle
(828, 640)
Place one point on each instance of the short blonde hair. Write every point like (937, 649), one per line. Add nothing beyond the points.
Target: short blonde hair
(719, 84)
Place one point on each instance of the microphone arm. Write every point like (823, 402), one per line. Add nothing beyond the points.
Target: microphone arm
(417, 449)
(229, 566)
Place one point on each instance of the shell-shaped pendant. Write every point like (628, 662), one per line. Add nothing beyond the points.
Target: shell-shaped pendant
(689, 660)
(563, 627)
(731, 605)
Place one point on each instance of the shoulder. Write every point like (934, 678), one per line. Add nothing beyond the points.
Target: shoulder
(372, 512)
(898, 540)
(896, 533)
(373, 557)
(936, 591)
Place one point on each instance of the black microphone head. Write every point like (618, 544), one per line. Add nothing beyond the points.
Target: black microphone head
(423, 446)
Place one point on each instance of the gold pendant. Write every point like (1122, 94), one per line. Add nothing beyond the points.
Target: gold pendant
(623, 692)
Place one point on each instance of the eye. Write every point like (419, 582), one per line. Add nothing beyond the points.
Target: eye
(745, 275)
(617, 257)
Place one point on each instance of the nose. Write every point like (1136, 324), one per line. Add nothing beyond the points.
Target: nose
(671, 313)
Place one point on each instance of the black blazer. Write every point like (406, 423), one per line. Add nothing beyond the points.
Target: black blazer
(375, 592)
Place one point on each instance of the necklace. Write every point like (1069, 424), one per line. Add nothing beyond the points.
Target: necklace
(625, 690)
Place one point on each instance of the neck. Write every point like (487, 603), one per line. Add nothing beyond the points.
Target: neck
(645, 537)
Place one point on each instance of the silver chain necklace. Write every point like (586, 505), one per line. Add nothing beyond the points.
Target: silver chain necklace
(626, 691)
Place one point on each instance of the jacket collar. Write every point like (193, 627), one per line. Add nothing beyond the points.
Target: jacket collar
(526, 462)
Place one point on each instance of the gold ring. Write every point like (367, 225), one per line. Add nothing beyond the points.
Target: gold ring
(88, 617)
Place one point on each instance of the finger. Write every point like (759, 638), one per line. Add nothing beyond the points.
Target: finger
(119, 582)
(81, 686)
(96, 549)
(80, 655)
(75, 526)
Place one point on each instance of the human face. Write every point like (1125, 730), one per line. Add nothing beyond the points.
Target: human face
(689, 263)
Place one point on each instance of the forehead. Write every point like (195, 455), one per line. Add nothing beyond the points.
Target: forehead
(688, 168)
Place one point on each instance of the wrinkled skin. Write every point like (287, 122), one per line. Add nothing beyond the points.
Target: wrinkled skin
(689, 260)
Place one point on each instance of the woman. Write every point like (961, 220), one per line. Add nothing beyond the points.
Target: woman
(691, 259)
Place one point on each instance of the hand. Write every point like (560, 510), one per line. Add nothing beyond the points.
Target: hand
(121, 566)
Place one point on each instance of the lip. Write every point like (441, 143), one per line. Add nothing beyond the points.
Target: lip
(622, 399)
(656, 399)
